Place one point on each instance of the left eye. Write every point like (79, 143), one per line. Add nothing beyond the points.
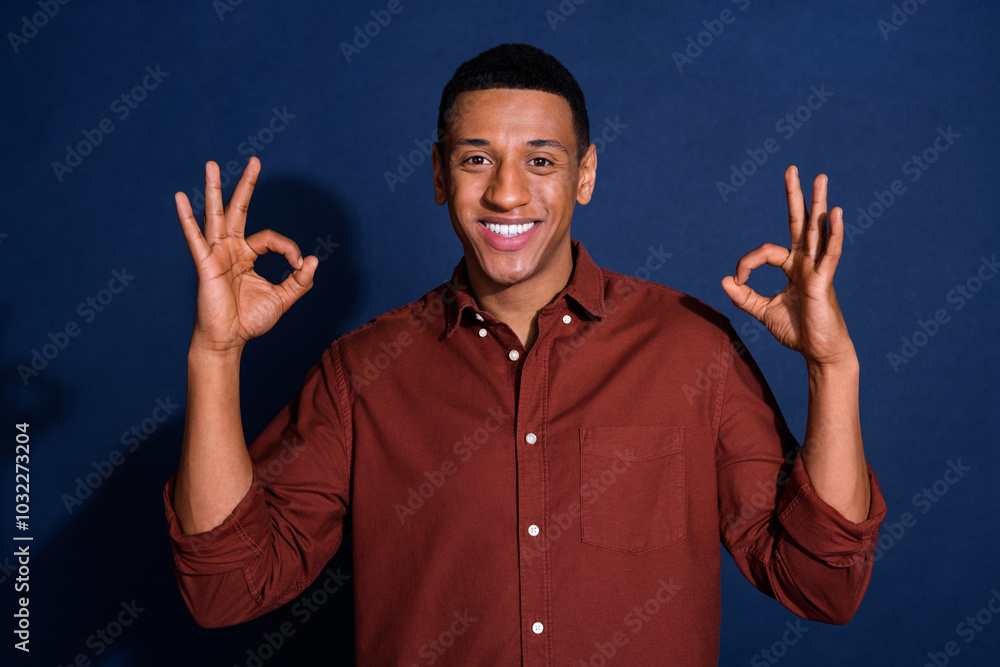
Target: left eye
(540, 162)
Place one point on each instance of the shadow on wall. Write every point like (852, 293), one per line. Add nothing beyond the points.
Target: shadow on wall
(107, 581)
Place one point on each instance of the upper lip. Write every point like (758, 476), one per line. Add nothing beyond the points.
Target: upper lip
(499, 220)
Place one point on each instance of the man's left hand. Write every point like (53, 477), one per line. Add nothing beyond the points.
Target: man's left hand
(805, 315)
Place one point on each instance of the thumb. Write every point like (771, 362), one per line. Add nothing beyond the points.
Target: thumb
(743, 296)
(300, 282)
(738, 293)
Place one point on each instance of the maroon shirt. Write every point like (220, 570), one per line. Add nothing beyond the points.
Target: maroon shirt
(551, 507)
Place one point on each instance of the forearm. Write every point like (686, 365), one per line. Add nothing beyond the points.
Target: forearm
(215, 470)
(833, 454)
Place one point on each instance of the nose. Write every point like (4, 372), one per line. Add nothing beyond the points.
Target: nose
(508, 187)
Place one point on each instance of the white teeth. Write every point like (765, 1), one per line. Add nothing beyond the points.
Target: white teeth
(509, 231)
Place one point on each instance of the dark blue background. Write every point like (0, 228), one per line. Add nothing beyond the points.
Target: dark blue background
(61, 236)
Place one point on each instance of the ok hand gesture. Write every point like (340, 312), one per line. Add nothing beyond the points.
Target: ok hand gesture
(805, 315)
(236, 304)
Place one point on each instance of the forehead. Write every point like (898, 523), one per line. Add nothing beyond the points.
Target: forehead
(502, 113)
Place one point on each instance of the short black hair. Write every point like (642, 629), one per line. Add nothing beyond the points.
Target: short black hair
(518, 66)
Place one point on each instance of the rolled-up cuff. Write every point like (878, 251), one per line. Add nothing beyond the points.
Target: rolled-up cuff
(821, 530)
(231, 545)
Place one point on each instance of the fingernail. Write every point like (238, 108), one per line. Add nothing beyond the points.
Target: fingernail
(796, 171)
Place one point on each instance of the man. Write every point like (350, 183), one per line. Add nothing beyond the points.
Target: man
(539, 457)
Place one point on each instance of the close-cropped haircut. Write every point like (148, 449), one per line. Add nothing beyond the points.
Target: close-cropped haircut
(517, 66)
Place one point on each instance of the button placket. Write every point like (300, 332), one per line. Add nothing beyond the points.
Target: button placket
(533, 507)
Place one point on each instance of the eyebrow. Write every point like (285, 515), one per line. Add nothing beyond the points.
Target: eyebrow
(533, 143)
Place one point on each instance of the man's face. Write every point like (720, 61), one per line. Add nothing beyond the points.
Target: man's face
(511, 177)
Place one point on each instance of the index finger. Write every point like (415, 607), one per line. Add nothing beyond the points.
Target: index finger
(236, 212)
(796, 207)
(192, 233)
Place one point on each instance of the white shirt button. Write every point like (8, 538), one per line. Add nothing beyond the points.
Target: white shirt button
(567, 319)
(531, 438)
(479, 317)
(482, 333)
(513, 354)
(537, 628)
(532, 530)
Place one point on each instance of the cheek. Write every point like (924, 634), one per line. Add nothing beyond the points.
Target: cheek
(554, 192)
(466, 192)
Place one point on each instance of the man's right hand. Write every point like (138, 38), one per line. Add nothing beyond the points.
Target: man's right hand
(236, 304)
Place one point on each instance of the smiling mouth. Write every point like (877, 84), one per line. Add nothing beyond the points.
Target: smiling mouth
(509, 231)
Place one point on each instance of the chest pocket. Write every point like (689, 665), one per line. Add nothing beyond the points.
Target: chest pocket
(633, 494)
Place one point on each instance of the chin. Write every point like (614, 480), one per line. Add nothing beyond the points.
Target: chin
(506, 275)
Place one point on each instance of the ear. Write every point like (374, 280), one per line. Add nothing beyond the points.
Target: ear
(588, 175)
(440, 193)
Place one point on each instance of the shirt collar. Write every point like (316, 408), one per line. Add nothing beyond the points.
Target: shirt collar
(586, 288)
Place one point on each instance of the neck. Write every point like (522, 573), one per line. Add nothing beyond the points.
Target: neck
(518, 305)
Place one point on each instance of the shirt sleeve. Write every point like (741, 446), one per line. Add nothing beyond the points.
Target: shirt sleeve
(784, 538)
(290, 523)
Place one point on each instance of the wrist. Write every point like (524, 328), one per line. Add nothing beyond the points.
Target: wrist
(202, 352)
(844, 374)
(843, 363)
